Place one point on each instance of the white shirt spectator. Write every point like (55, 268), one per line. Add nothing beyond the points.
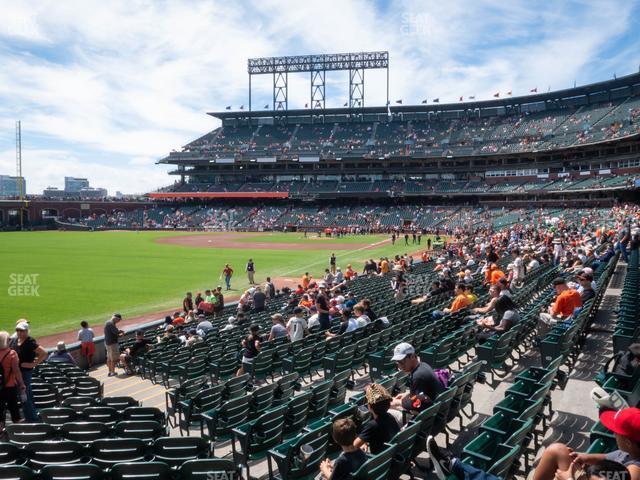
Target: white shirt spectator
(363, 321)
(296, 327)
(313, 321)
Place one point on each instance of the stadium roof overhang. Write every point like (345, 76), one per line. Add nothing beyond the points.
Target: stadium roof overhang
(160, 195)
(632, 80)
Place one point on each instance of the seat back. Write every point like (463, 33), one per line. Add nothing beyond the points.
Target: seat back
(108, 452)
(79, 403)
(60, 452)
(503, 465)
(297, 412)
(56, 416)
(319, 402)
(9, 453)
(287, 456)
(285, 387)
(84, 432)
(81, 471)
(377, 467)
(106, 415)
(405, 441)
(261, 399)
(176, 450)
(16, 472)
(208, 468)
(146, 430)
(141, 470)
(144, 413)
(119, 403)
(25, 433)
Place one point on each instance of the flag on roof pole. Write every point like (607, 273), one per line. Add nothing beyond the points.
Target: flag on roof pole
(228, 107)
(399, 101)
(306, 105)
(424, 101)
(472, 97)
(241, 107)
(266, 106)
(534, 90)
(346, 104)
(496, 95)
(436, 100)
(509, 92)
(461, 98)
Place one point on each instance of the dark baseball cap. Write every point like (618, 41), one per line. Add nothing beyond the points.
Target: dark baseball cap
(117, 315)
(559, 281)
(416, 403)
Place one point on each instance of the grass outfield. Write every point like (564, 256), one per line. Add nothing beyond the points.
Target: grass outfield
(89, 275)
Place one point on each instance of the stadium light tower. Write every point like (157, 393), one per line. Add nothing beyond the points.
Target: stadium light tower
(318, 66)
(19, 172)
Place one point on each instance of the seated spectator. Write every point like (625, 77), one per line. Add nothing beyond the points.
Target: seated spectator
(169, 334)
(251, 346)
(278, 329)
(313, 322)
(344, 433)
(347, 324)
(297, 326)
(204, 326)
(461, 301)
(586, 290)
(567, 300)
(139, 347)
(305, 302)
(350, 301)
(506, 316)
(625, 424)
(61, 354)
(366, 303)
(503, 286)
(177, 320)
(383, 426)
(446, 467)
(422, 378)
(361, 318)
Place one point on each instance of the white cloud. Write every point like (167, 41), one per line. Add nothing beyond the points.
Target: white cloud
(103, 86)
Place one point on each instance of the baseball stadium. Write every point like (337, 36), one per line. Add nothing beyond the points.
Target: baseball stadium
(440, 290)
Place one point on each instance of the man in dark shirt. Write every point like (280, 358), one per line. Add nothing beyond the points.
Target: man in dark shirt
(187, 303)
(259, 300)
(140, 346)
(218, 307)
(111, 335)
(421, 376)
(30, 355)
(322, 305)
(383, 426)
(251, 271)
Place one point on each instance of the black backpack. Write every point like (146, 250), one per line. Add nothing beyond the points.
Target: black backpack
(622, 363)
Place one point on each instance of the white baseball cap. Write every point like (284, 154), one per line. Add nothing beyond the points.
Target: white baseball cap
(401, 351)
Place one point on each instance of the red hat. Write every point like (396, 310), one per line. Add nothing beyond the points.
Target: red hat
(625, 422)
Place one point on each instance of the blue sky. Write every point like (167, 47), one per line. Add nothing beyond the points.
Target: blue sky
(105, 89)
